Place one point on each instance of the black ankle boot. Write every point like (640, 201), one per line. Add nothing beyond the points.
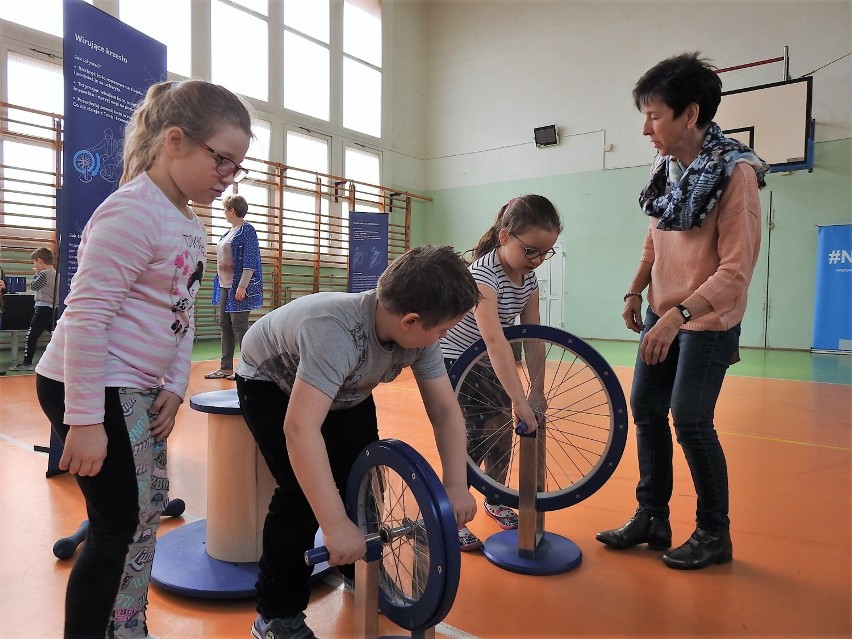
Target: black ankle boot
(700, 550)
(642, 528)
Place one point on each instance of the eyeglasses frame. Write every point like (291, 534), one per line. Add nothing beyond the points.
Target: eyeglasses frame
(532, 253)
(221, 159)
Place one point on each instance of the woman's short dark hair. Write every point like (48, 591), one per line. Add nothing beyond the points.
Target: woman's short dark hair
(679, 81)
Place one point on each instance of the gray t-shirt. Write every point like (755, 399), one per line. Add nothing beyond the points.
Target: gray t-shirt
(329, 340)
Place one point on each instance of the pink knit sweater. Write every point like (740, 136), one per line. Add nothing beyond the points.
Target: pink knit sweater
(716, 259)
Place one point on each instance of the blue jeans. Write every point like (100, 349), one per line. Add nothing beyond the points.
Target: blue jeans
(688, 383)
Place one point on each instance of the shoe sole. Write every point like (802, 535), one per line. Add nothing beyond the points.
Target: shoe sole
(499, 522)
(469, 547)
(722, 560)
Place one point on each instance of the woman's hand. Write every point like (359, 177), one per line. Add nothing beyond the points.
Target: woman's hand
(632, 313)
(85, 450)
(162, 414)
(657, 341)
(240, 293)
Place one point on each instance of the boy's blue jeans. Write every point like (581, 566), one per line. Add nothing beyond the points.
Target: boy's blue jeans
(687, 383)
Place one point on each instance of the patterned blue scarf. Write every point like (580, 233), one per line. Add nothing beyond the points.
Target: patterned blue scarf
(680, 197)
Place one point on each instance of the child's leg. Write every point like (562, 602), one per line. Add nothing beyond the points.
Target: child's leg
(113, 511)
(42, 317)
(149, 459)
(290, 525)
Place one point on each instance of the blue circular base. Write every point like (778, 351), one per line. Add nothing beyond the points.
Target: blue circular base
(182, 565)
(554, 554)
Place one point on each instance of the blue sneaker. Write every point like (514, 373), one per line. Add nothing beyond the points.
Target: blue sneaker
(282, 628)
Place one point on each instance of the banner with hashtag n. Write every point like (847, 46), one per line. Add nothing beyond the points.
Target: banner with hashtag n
(833, 301)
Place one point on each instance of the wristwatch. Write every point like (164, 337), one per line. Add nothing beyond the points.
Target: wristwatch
(684, 312)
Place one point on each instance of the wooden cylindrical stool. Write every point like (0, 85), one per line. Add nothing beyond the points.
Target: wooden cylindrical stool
(239, 484)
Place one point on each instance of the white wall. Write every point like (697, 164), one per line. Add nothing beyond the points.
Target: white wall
(496, 69)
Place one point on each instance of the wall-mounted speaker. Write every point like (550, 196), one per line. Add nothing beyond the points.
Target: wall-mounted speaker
(546, 135)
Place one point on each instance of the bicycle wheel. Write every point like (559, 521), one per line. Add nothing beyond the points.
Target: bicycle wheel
(584, 422)
(394, 492)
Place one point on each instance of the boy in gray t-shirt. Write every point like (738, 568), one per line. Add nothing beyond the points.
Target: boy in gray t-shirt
(305, 381)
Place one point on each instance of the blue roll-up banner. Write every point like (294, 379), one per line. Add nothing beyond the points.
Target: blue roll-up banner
(833, 303)
(368, 250)
(108, 67)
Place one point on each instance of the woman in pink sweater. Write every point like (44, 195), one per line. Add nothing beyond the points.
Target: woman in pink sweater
(697, 261)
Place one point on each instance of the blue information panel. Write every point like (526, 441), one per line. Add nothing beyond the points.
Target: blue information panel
(368, 250)
(833, 303)
(108, 67)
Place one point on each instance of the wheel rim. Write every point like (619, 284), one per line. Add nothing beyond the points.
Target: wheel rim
(394, 492)
(584, 424)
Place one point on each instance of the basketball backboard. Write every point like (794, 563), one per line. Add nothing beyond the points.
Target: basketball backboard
(774, 120)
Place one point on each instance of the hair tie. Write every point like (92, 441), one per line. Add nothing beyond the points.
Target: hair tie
(512, 201)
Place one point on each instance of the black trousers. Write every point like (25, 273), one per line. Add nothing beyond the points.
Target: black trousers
(290, 527)
(42, 320)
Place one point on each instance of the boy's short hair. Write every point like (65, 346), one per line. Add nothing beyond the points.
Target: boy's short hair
(432, 281)
(43, 254)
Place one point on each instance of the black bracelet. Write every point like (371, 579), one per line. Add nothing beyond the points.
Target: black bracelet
(632, 294)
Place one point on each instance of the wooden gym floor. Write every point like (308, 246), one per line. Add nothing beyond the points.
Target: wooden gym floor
(784, 420)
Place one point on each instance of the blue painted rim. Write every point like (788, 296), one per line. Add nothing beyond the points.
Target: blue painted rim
(438, 519)
(603, 470)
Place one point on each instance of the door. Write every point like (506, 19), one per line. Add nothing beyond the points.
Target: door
(550, 283)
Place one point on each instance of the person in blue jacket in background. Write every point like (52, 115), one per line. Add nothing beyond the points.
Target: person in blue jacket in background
(238, 285)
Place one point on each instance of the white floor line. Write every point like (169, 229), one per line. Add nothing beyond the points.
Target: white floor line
(19, 443)
(446, 630)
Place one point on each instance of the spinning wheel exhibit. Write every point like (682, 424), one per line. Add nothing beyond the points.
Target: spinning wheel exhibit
(413, 563)
(581, 436)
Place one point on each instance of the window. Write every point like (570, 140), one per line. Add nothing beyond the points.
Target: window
(362, 30)
(364, 166)
(362, 98)
(240, 51)
(362, 61)
(255, 188)
(36, 84)
(300, 223)
(45, 15)
(175, 33)
(28, 171)
(28, 185)
(306, 82)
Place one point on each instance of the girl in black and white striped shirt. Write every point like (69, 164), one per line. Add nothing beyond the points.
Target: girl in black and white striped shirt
(505, 259)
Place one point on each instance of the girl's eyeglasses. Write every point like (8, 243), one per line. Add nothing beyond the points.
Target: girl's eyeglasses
(532, 253)
(224, 166)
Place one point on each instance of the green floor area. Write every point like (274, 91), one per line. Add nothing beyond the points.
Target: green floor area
(756, 362)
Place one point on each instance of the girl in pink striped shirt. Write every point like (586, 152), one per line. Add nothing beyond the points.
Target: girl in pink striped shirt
(115, 372)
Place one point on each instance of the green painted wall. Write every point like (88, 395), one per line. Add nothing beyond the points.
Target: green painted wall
(604, 230)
